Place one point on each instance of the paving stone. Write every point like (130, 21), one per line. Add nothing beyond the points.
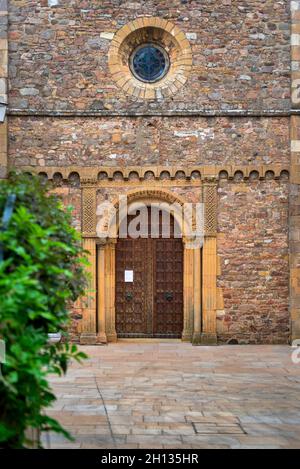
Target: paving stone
(156, 401)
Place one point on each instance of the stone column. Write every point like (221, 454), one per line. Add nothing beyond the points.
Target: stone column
(101, 294)
(110, 282)
(3, 85)
(209, 267)
(209, 282)
(197, 297)
(294, 197)
(188, 291)
(89, 323)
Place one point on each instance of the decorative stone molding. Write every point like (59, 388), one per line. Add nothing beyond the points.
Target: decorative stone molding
(197, 112)
(89, 207)
(89, 181)
(150, 30)
(209, 255)
(105, 288)
(114, 175)
(192, 295)
(210, 208)
(153, 193)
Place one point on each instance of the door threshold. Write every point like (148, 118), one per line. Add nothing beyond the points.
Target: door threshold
(147, 339)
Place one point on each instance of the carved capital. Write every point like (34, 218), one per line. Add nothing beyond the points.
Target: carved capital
(88, 182)
(209, 179)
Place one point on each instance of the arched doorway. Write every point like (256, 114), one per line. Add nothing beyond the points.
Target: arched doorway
(199, 271)
(149, 281)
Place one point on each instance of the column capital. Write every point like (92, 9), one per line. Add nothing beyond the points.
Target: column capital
(87, 182)
(210, 181)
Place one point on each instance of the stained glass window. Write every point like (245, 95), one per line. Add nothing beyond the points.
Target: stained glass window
(149, 62)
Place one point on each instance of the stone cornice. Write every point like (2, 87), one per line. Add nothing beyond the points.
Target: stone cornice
(178, 175)
(155, 113)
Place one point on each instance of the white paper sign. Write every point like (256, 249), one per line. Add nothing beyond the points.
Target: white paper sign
(128, 276)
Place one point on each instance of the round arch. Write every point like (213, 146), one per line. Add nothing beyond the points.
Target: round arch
(107, 263)
(114, 212)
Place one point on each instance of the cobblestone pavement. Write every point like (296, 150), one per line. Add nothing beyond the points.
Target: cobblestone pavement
(174, 395)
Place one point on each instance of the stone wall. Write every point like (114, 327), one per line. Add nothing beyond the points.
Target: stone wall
(294, 219)
(253, 248)
(58, 71)
(3, 85)
(141, 141)
(71, 197)
(59, 53)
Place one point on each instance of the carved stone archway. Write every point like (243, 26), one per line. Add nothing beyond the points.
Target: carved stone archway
(199, 282)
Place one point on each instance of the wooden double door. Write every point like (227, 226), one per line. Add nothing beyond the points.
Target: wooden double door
(149, 287)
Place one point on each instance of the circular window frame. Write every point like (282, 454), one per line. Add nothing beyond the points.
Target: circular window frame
(159, 32)
(158, 47)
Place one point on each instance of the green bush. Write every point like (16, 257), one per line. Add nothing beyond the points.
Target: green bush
(42, 272)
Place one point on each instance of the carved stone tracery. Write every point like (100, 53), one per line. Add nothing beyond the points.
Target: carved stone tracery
(89, 206)
(106, 175)
(210, 208)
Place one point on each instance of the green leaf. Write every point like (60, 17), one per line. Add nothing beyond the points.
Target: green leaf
(43, 270)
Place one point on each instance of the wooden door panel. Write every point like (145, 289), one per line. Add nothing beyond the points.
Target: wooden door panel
(168, 308)
(152, 305)
(130, 297)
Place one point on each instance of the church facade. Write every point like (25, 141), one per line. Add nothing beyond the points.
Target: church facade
(166, 102)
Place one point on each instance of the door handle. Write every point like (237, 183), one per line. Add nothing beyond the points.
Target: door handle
(169, 296)
(128, 296)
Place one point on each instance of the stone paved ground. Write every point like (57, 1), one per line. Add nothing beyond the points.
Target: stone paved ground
(174, 395)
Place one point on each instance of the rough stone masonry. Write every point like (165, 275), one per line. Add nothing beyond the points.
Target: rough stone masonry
(233, 117)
